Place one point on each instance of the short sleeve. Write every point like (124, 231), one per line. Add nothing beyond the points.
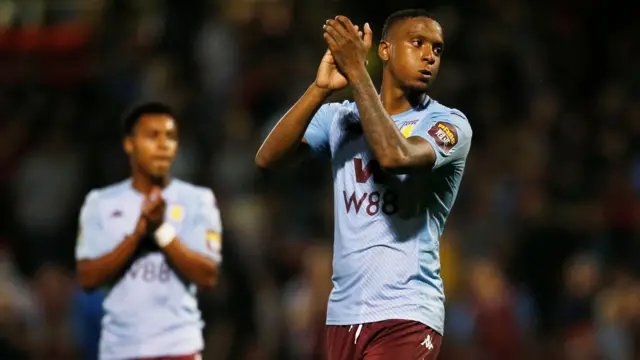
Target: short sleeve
(317, 134)
(449, 133)
(205, 235)
(90, 242)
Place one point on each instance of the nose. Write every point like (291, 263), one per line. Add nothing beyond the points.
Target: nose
(428, 56)
(163, 142)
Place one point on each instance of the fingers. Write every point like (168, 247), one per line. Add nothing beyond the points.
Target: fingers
(356, 28)
(332, 32)
(328, 57)
(368, 35)
(154, 205)
(343, 27)
(346, 23)
(155, 193)
(156, 214)
(330, 41)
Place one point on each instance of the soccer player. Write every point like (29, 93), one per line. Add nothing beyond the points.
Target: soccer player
(397, 159)
(153, 240)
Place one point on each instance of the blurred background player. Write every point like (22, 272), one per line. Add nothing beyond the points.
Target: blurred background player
(153, 240)
(398, 160)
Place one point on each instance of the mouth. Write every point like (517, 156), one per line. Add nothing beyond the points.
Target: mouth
(426, 73)
(161, 160)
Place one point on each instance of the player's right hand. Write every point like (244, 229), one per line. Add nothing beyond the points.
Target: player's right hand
(329, 76)
(153, 209)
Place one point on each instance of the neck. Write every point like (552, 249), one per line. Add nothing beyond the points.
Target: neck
(397, 100)
(144, 183)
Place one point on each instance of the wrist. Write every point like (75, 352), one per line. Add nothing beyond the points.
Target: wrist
(358, 75)
(165, 234)
(140, 231)
(320, 92)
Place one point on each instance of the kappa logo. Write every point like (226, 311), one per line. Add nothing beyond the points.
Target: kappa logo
(428, 343)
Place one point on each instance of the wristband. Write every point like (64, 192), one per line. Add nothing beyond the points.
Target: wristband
(165, 235)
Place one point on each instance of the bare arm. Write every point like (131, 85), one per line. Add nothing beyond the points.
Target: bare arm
(393, 151)
(196, 267)
(284, 141)
(95, 273)
(96, 267)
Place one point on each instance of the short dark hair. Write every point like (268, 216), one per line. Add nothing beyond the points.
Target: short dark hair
(401, 15)
(134, 113)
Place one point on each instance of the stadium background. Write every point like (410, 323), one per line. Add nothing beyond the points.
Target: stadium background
(541, 253)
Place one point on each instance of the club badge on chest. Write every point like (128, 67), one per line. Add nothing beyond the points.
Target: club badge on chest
(175, 213)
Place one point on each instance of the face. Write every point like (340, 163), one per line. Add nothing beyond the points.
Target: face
(412, 52)
(154, 144)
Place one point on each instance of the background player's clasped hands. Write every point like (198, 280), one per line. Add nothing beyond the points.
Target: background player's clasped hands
(153, 210)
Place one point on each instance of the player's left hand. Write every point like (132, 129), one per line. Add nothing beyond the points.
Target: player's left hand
(348, 48)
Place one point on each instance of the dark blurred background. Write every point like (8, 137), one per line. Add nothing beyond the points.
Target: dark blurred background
(541, 253)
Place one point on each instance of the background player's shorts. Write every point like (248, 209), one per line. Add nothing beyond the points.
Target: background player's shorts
(383, 340)
(179, 357)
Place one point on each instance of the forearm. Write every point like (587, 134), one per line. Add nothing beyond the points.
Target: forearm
(196, 267)
(285, 138)
(94, 273)
(383, 136)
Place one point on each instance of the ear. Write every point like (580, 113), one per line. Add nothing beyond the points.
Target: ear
(384, 49)
(127, 144)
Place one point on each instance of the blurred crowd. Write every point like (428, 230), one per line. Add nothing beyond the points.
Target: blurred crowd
(541, 253)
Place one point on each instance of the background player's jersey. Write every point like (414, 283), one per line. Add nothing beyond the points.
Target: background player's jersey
(150, 311)
(386, 262)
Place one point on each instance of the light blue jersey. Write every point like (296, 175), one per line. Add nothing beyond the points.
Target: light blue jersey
(149, 311)
(386, 262)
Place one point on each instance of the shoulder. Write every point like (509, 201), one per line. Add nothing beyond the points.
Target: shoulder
(338, 108)
(108, 192)
(194, 193)
(348, 107)
(439, 113)
(345, 105)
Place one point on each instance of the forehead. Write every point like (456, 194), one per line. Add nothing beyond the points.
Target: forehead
(419, 26)
(156, 122)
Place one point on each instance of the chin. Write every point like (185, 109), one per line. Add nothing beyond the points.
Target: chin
(159, 173)
(419, 87)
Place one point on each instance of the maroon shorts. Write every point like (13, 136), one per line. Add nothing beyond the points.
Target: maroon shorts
(179, 357)
(383, 340)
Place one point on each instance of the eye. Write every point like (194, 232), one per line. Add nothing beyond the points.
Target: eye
(417, 43)
(437, 49)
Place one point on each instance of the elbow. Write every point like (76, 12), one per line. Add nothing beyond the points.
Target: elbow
(209, 278)
(262, 161)
(406, 159)
(86, 281)
(391, 162)
(88, 276)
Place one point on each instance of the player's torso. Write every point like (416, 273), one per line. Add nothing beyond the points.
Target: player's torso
(386, 237)
(148, 300)
(383, 208)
